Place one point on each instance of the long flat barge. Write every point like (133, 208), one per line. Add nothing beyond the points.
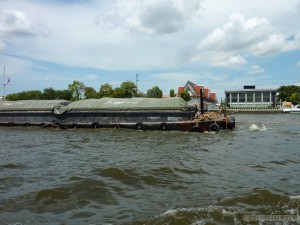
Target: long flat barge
(137, 113)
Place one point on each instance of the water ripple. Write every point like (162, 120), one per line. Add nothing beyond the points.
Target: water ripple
(116, 176)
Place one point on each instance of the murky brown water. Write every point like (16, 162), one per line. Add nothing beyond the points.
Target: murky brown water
(104, 176)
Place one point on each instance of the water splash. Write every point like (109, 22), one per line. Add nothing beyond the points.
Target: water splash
(254, 127)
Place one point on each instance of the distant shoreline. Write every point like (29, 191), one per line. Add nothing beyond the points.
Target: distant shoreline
(256, 111)
(253, 111)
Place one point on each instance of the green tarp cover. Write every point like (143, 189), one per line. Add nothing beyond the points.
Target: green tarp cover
(31, 105)
(123, 104)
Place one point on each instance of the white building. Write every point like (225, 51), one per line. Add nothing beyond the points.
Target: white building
(250, 97)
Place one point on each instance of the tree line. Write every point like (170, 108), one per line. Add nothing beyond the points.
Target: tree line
(289, 93)
(78, 90)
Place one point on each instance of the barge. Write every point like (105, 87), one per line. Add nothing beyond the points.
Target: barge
(172, 114)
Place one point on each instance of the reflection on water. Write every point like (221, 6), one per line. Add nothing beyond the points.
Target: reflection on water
(110, 176)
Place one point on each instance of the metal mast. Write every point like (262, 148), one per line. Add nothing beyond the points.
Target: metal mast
(136, 80)
(4, 83)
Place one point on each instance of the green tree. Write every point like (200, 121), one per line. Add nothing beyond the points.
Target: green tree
(286, 93)
(30, 95)
(63, 94)
(185, 95)
(90, 92)
(172, 93)
(35, 94)
(154, 92)
(12, 97)
(77, 89)
(127, 89)
(49, 93)
(106, 90)
(118, 93)
(295, 98)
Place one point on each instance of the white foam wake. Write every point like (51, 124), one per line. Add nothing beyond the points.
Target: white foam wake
(254, 127)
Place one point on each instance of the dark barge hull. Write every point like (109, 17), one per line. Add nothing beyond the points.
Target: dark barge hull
(136, 113)
(146, 120)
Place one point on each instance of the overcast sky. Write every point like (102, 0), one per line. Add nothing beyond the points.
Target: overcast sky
(215, 43)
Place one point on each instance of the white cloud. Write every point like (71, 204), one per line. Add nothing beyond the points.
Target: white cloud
(146, 34)
(149, 16)
(276, 43)
(240, 36)
(272, 45)
(162, 18)
(2, 45)
(15, 24)
(256, 69)
(232, 61)
(167, 16)
(298, 64)
(298, 7)
(237, 34)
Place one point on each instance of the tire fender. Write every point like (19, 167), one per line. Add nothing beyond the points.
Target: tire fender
(195, 129)
(214, 127)
(163, 127)
(140, 126)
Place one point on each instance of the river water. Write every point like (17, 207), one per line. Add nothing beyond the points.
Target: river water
(111, 176)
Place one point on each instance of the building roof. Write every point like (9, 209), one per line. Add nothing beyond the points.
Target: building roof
(206, 92)
(195, 90)
(180, 89)
(250, 90)
(213, 95)
(198, 88)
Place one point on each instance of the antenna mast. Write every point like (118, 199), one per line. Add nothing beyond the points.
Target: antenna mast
(136, 79)
(4, 83)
